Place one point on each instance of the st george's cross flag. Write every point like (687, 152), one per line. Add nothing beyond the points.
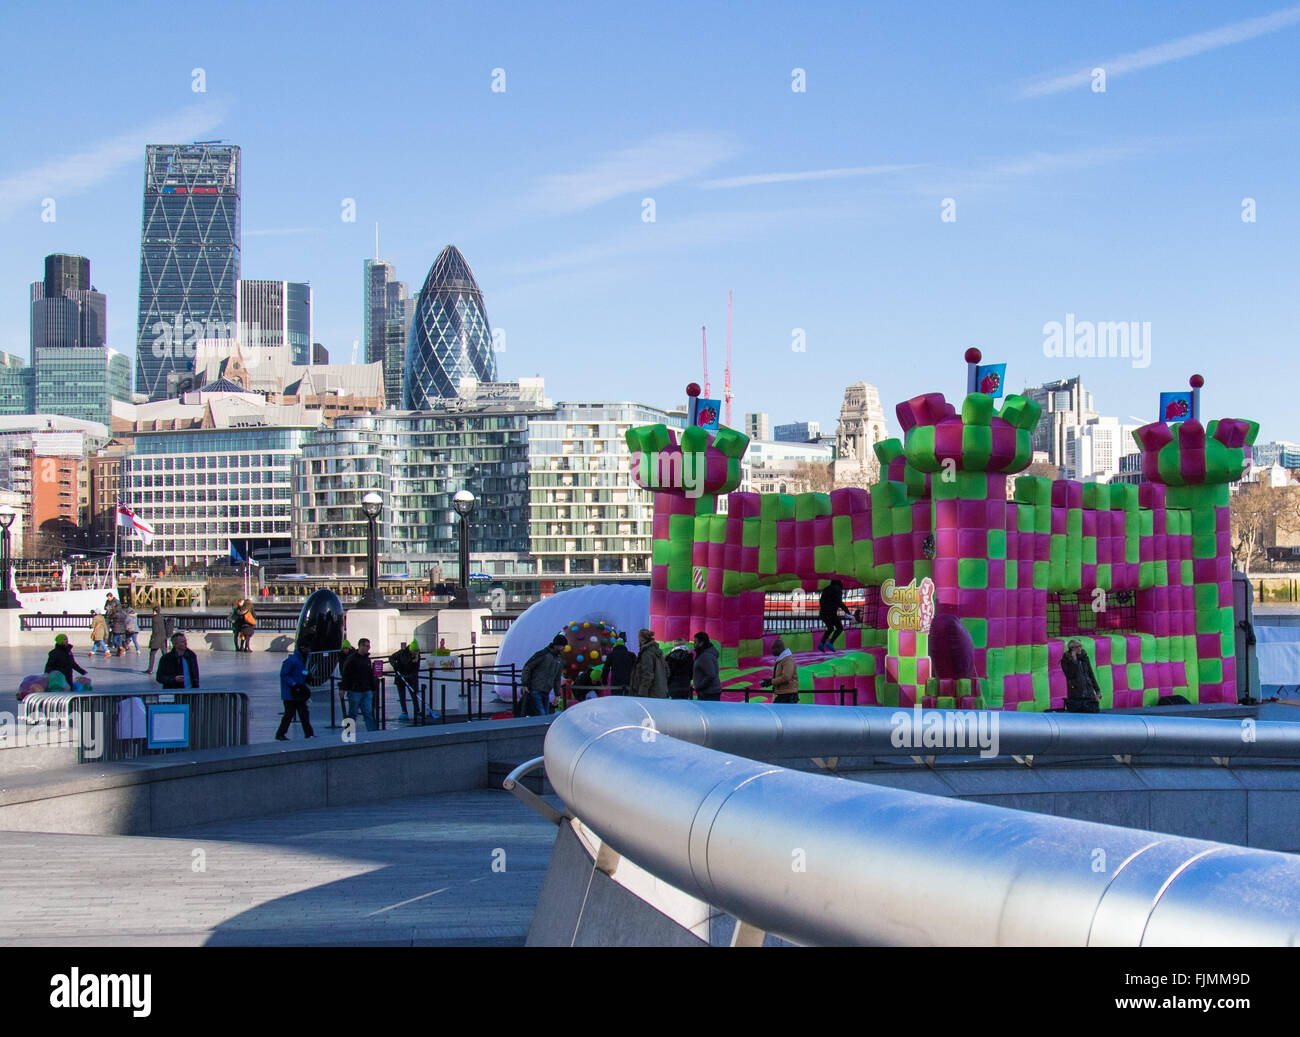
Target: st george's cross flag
(127, 517)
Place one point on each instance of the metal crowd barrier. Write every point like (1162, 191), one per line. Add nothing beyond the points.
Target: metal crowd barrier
(675, 786)
(217, 720)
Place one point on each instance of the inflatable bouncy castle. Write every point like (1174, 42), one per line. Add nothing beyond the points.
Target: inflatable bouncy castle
(1140, 574)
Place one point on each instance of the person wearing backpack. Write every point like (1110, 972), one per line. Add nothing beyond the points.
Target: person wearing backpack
(294, 693)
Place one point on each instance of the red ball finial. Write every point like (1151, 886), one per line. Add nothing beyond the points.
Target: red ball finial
(693, 389)
(1196, 381)
(973, 355)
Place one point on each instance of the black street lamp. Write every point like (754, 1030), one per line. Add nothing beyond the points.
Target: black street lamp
(464, 503)
(7, 599)
(371, 505)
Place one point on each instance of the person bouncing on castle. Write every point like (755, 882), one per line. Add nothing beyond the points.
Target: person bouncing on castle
(60, 660)
(704, 677)
(829, 606)
(680, 663)
(784, 681)
(650, 671)
(1082, 694)
(618, 667)
(541, 677)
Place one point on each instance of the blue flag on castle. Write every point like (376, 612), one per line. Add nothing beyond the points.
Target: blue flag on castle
(991, 379)
(1175, 406)
(706, 413)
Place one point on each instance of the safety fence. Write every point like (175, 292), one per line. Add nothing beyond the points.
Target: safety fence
(125, 726)
(185, 622)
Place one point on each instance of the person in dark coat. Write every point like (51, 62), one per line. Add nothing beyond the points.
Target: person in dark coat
(1082, 692)
(541, 677)
(649, 678)
(829, 607)
(681, 664)
(708, 687)
(157, 637)
(359, 685)
(406, 673)
(179, 668)
(294, 693)
(618, 668)
(60, 659)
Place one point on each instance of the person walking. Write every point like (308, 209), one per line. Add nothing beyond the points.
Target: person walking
(345, 651)
(179, 668)
(649, 678)
(98, 633)
(708, 687)
(237, 621)
(541, 677)
(829, 606)
(295, 694)
(1082, 692)
(618, 667)
(117, 627)
(784, 681)
(157, 637)
(681, 664)
(60, 660)
(359, 685)
(132, 629)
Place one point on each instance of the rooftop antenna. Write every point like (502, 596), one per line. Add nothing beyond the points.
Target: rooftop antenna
(726, 384)
(376, 242)
(704, 336)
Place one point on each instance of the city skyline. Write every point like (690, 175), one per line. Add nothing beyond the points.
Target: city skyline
(828, 228)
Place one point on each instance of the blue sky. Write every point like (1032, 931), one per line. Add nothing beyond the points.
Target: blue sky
(820, 210)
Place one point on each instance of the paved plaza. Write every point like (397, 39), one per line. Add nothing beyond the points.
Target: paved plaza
(256, 673)
(457, 868)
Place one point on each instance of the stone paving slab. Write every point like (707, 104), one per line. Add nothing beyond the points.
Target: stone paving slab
(412, 871)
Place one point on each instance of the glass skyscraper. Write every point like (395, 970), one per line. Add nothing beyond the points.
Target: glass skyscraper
(450, 335)
(281, 312)
(189, 258)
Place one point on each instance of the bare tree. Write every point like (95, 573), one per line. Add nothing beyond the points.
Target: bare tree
(811, 477)
(1255, 511)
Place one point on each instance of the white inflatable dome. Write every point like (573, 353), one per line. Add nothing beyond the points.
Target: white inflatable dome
(624, 607)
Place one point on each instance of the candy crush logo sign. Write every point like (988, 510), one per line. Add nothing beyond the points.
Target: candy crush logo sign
(910, 607)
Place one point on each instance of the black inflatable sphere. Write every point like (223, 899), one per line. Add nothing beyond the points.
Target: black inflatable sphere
(320, 626)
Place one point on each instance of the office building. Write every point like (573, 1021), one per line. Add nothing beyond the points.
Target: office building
(1279, 452)
(588, 517)
(774, 466)
(212, 469)
(450, 336)
(43, 458)
(386, 299)
(797, 432)
(189, 259)
(417, 461)
(74, 373)
(276, 316)
(1064, 403)
(319, 354)
(758, 426)
(17, 386)
(1093, 451)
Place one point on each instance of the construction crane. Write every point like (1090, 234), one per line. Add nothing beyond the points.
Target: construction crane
(704, 336)
(726, 384)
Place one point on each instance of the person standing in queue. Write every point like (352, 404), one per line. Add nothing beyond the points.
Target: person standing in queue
(681, 664)
(784, 681)
(708, 687)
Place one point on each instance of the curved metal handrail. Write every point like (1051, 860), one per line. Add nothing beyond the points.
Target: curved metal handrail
(824, 861)
(513, 783)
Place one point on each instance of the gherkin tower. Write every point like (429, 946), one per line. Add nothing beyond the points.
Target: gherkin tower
(450, 336)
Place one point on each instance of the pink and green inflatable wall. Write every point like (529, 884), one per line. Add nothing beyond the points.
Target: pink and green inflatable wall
(995, 562)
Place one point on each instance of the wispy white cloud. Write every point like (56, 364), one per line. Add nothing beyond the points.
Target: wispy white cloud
(664, 159)
(1174, 50)
(78, 173)
(811, 174)
(278, 232)
(1016, 169)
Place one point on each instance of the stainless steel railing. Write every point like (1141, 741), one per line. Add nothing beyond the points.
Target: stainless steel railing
(672, 785)
(107, 724)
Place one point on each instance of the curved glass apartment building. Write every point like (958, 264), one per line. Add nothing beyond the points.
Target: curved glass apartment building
(450, 337)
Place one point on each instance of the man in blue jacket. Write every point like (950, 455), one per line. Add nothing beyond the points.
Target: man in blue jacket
(294, 694)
